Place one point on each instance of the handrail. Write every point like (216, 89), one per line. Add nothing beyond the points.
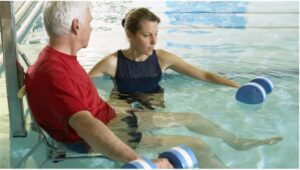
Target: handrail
(23, 29)
(12, 71)
(24, 16)
(23, 10)
(10, 38)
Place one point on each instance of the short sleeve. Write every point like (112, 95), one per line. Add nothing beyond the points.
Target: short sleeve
(62, 96)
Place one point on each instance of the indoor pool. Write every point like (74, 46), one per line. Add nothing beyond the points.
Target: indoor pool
(237, 39)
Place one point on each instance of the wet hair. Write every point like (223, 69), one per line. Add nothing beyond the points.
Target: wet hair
(58, 15)
(133, 18)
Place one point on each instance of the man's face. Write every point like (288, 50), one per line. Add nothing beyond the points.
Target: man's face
(86, 29)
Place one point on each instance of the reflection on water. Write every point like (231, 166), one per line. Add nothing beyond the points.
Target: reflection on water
(108, 14)
(149, 101)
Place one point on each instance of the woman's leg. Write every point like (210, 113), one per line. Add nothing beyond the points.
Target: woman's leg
(134, 138)
(203, 126)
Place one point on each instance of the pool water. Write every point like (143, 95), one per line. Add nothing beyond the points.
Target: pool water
(239, 40)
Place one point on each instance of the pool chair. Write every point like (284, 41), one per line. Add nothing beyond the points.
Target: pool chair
(56, 151)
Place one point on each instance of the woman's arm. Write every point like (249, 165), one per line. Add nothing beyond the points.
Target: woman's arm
(106, 66)
(169, 60)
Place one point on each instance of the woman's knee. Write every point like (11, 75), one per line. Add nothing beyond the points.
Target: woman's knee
(196, 144)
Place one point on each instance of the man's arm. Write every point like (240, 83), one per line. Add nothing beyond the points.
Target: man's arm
(100, 137)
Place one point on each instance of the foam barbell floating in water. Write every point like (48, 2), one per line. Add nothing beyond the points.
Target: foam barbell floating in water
(180, 157)
(256, 91)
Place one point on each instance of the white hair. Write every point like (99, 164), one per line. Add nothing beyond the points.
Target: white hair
(58, 15)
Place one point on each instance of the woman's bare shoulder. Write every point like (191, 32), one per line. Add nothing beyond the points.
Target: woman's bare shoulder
(106, 65)
(161, 51)
(110, 58)
(164, 55)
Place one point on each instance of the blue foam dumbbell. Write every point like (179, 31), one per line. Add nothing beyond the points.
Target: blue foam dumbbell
(265, 83)
(256, 91)
(140, 164)
(180, 157)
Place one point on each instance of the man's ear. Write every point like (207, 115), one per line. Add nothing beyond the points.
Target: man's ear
(75, 26)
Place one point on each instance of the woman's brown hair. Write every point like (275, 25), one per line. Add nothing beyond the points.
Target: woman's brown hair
(133, 18)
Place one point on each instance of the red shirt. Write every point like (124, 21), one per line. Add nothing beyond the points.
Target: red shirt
(57, 87)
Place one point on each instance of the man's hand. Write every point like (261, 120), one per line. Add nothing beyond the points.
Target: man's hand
(163, 163)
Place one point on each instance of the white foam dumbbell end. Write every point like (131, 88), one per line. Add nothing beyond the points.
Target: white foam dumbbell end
(140, 164)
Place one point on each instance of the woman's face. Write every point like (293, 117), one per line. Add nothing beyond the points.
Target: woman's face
(144, 40)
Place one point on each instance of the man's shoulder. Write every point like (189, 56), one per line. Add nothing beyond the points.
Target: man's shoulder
(47, 67)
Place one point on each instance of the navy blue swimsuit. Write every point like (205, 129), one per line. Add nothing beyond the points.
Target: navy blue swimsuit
(132, 76)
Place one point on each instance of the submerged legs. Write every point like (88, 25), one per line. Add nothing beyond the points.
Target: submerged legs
(203, 126)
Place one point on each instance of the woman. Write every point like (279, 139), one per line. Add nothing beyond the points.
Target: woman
(138, 70)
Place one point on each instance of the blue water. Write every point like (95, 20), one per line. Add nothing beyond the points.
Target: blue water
(216, 14)
(239, 40)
